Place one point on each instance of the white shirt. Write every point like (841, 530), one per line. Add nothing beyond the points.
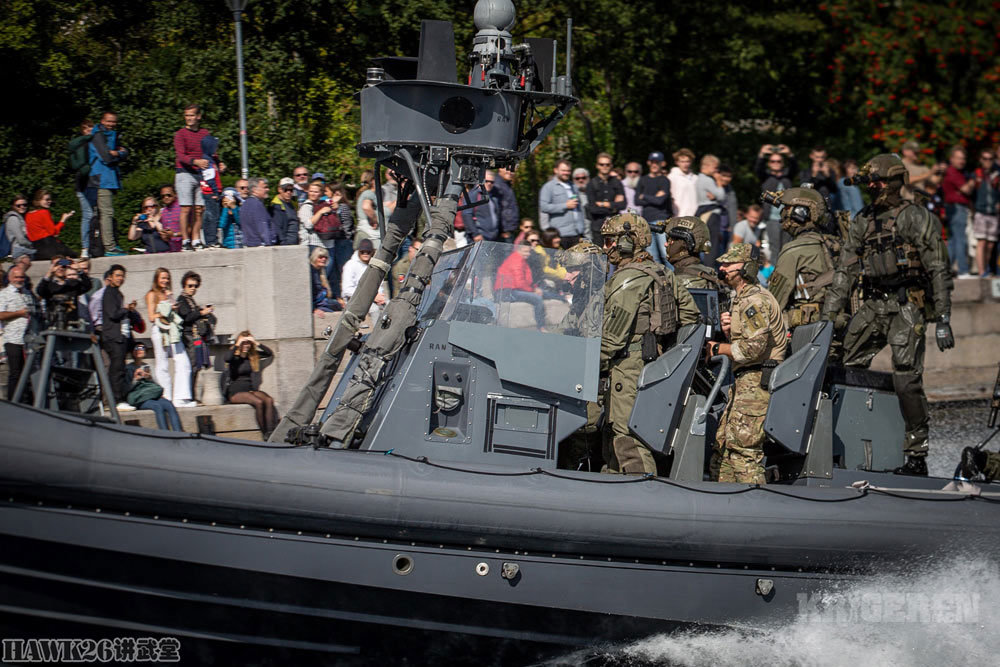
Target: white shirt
(683, 191)
(351, 276)
(13, 299)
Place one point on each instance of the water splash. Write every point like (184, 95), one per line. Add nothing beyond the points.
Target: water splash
(940, 616)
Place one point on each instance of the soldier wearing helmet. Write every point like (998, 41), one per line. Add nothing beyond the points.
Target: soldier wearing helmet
(758, 337)
(687, 238)
(804, 269)
(643, 308)
(585, 265)
(895, 248)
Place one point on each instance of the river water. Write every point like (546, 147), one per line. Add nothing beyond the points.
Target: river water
(968, 634)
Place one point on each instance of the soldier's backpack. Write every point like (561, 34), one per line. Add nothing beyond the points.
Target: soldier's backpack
(663, 318)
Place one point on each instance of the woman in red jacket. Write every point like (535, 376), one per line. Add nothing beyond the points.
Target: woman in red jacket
(43, 232)
(515, 282)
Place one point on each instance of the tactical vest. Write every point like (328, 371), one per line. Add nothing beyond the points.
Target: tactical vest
(663, 317)
(885, 256)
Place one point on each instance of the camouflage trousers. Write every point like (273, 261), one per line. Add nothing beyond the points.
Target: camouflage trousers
(881, 322)
(739, 441)
(623, 452)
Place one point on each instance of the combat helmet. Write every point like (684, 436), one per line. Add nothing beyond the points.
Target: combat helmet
(747, 253)
(802, 209)
(886, 167)
(576, 256)
(692, 231)
(631, 231)
(890, 170)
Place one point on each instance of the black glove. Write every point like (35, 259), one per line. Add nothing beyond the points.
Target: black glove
(943, 335)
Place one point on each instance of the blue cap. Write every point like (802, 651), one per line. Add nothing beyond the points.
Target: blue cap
(318, 176)
(656, 156)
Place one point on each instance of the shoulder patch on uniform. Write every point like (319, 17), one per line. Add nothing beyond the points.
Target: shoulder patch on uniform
(776, 282)
(618, 320)
(755, 318)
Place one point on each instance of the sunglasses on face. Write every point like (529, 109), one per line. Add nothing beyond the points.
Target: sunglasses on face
(20, 206)
(364, 252)
(579, 178)
(631, 171)
(148, 206)
(488, 182)
(287, 188)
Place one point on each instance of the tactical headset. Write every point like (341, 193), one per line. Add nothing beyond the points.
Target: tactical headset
(683, 234)
(799, 214)
(755, 261)
(626, 243)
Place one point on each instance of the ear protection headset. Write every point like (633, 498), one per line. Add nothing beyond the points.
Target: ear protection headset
(755, 261)
(682, 234)
(800, 214)
(626, 243)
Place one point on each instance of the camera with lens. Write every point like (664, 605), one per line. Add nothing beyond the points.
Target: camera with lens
(61, 311)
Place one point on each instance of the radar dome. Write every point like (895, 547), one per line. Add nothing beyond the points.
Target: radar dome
(494, 14)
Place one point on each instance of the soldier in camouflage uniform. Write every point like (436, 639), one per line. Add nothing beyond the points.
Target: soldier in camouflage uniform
(582, 449)
(896, 248)
(804, 269)
(758, 338)
(643, 305)
(687, 238)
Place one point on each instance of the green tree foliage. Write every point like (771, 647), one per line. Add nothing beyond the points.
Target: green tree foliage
(927, 71)
(717, 76)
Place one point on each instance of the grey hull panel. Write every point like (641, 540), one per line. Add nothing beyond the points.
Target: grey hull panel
(372, 495)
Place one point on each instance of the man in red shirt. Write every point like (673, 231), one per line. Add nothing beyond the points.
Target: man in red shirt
(957, 187)
(187, 147)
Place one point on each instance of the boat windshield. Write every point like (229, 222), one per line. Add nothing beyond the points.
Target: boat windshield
(518, 287)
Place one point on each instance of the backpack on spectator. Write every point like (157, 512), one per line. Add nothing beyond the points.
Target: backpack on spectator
(329, 226)
(79, 158)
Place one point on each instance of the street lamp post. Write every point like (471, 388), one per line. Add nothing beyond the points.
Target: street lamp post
(237, 7)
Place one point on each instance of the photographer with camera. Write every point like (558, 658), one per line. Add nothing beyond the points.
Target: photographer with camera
(774, 167)
(59, 292)
(146, 394)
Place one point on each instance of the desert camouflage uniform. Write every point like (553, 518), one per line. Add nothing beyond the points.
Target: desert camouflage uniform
(757, 335)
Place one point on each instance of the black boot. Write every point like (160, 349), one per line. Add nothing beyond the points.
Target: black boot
(915, 466)
(973, 461)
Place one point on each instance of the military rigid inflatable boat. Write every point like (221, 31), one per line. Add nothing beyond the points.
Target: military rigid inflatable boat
(448, 515)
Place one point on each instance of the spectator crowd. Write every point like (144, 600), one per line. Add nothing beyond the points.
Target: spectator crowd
(337, 223)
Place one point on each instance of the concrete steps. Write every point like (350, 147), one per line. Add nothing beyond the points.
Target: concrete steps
(228, 421)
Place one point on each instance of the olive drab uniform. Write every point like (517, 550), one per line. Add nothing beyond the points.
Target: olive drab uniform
(758, 337)
(895, 248)
(643, 306)
(692, 274)
(630, 315)
(582, 449)
(801, 276)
